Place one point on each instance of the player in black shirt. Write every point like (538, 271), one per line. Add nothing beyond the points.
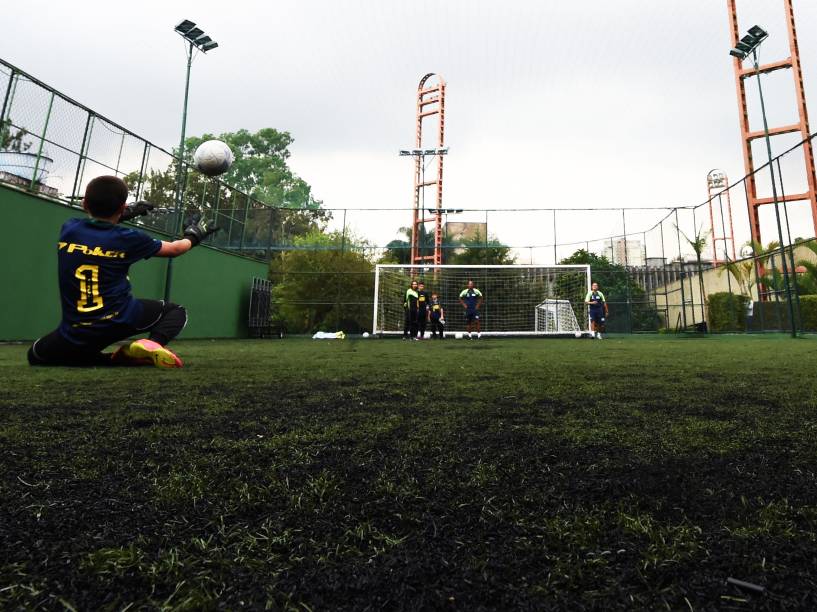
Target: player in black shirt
(94, 255)
(423, 303)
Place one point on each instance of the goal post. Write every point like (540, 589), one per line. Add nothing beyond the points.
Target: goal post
(518, 299)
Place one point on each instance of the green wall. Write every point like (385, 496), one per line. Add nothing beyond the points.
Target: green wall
(213, 286)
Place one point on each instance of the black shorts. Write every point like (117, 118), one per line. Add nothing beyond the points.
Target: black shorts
(471, 315)
(56, 349)
(597, 317)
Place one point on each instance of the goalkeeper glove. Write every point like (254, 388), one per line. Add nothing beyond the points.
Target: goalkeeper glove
(198, 231)
(442, 321)
(138, 209)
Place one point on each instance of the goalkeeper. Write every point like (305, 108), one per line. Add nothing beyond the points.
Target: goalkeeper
(471, 300)
(598, 309)
(98, 309)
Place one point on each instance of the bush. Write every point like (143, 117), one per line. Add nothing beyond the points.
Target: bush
(808, 312)
(726, 311)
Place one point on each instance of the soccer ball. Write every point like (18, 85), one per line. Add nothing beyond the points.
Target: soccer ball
(458, 336)
(747, 251)
(365, 334)
(213, 157)
(578, 334)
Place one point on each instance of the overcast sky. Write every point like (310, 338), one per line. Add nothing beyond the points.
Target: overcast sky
(552, 104)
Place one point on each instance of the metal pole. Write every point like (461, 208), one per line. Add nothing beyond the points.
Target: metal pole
(244, 224)
(142, 170)
(700, 271)
(6, 96)
(774, 197)
(42, 142)
(81, 157)
(627, 273)
(179, 172)
(756, 265)
(725, 249)
(791, 245)
(681, 264)
(555, 258)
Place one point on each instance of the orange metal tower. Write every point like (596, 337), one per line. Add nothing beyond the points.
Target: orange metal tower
(741, 74)
(716, 184)
(430, 103)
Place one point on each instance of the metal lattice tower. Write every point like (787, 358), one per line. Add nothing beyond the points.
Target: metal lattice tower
(741, 74)
(430, 103)
(717, 186)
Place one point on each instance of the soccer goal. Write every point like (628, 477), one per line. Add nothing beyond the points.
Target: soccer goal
(518, 300)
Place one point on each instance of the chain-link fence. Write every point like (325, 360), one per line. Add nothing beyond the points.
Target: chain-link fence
(661, 268)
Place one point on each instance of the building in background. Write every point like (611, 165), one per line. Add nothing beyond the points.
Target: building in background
(462, 231)
(625, 252)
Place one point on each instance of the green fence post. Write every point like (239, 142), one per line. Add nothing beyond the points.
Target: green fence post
(6, 98)
(244, 225)
(142, 170)
(81, 159)
(42, 142)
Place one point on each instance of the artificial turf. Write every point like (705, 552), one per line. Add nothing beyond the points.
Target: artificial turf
(631, 473)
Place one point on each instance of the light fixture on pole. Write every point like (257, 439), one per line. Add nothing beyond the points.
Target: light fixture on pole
(194, 38)
(749, 44)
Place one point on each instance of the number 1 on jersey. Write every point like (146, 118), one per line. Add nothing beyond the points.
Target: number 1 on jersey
(89, 298)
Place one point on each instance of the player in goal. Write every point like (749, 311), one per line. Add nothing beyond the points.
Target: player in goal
(517, 300)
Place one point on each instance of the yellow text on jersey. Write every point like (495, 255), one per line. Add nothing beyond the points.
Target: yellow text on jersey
(70, 247)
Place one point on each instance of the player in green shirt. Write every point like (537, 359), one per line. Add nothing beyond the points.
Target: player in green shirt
(410, 304)
(598, 309)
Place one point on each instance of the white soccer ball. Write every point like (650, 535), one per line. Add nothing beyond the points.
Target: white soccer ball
(213, 157)
(578, 334)
(747, 251)
(365, 334)
(458, 335)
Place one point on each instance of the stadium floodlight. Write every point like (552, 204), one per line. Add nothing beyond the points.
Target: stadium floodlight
(193, 34)
(404, 152)
(185, 26)
(749, 44)
(195, 38)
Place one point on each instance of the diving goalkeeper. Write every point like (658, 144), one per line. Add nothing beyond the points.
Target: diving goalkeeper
(93, 256)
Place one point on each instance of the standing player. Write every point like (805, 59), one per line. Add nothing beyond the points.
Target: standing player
(98, 309)
(423, 302)
(410, 304)
(471, 300)
(437, 316)
(598, 309)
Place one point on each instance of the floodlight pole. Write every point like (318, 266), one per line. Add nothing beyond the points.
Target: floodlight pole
(180, 171)
(774, 196)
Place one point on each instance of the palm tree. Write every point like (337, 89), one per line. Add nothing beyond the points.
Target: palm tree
(808, 284)
(698, 244)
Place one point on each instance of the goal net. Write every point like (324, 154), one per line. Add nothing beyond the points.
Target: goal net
(517, 299)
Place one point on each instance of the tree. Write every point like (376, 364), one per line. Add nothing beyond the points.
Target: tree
(477, 250)
(324, 283)
(630, 307)
(260, 171)
(698, 244)
(13, 139)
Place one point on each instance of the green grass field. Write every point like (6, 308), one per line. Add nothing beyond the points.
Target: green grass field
(633, 473)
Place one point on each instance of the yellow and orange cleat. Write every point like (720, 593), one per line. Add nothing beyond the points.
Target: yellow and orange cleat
(146, 352)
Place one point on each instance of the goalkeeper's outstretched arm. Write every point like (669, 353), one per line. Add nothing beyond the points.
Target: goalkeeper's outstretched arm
(193, 235)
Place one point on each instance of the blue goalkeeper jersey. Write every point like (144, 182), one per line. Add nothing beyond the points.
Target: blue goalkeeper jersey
(471, 297)
(93, 261)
